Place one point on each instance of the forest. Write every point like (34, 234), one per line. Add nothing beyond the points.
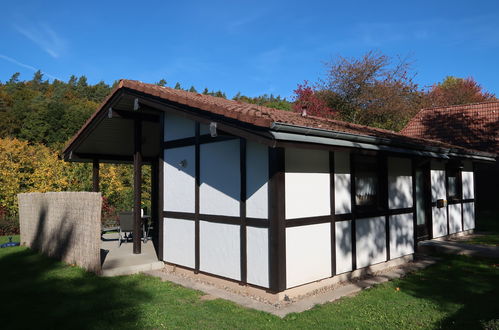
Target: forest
(38, 116)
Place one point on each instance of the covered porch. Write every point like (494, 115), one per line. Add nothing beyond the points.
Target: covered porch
(121, 134)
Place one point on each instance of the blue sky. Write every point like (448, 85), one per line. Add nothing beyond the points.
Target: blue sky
(254, 47)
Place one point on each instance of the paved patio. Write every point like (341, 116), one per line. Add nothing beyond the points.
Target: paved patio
(120, 260)
(456, 247)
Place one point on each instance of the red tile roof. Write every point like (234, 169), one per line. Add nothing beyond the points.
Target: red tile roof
(262, 116)
(474, 126)
(257, 115)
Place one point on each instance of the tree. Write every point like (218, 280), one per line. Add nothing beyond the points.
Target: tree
(454, 91)
(177, 86)
(14, 79)
(193, 90)
(373, 90)
(307, 99)
(161, 83)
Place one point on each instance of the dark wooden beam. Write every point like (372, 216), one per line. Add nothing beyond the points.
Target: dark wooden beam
(137, 186)
(414, 201)
(277, 230)
(354, 213)
(242, 209)
(124, 114)
(196, 198)
(332, 206)
(205, 138)
(95, 175)
(111, 158)
(160, 186)
(232, 126)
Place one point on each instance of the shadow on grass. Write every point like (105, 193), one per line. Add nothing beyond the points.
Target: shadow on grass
(39, 292)
(467, 289)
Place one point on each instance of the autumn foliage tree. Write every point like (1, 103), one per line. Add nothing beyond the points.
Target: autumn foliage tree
(455, 91)
(374, 90)
(312, 101)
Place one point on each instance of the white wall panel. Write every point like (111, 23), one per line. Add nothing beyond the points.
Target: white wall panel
(257, 256)
(219, 249)
(399, 183)
(438, 190)
(468, 184)
(469, 215)
(257, 175)
(439, 219)
(342, 200)
(204, 129)
(220, 178)
(455, 218)
(177, 127)
(401, 235)
(178, 242)
(343, 246)
(308, 254)
(179, 182)
(371, 241)
(307, 183)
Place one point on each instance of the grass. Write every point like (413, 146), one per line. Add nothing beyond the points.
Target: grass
(39, 292)
(488, 226)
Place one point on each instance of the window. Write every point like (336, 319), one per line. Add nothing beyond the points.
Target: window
(367, 183)
(453, 182)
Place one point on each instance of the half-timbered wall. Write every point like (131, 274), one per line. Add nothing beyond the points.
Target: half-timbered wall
(217, 202)
(215, 208)
(438, 191)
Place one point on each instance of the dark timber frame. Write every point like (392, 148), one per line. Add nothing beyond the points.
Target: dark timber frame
(277, 230)
(95, 175)
(137, 186)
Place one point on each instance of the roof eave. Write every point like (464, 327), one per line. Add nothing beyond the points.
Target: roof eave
(283, 131)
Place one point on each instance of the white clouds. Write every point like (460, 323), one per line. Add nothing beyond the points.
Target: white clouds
(45, 37)
(26, 66)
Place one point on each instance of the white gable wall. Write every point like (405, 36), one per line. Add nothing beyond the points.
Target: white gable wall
(308, 254)
(401, 235)
(179, 181)
(257, 175)
(343, 246)
(307, 183)
(342, 195)
(257, 256)
(178, 242)
(371, 241)
(438, 191)
(219, 248)
(399, 183)
(219, 191)
(177, 127)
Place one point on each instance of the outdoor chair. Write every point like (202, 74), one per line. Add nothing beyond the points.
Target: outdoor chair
(126, 226)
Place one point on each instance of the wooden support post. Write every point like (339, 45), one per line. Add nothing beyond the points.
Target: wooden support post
(242, 210)
(95, 175)
(137, 186)
(277, 229)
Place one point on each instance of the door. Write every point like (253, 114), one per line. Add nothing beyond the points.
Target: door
(423, 223)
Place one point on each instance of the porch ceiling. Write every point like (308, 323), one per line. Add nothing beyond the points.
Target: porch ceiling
(111, 140)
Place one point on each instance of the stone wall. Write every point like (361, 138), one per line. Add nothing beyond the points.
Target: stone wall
(63, 225)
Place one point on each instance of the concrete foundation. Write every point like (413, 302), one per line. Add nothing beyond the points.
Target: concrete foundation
(120, 259)
(291, 294)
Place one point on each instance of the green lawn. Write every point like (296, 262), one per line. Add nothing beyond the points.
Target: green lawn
(38, 292)
(488, 226)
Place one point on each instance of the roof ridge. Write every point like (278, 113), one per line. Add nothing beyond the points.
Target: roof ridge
(460, 105)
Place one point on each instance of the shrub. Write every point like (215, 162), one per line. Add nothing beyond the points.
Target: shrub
(9, 226)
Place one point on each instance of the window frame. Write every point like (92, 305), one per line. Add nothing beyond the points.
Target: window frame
(381, 176)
